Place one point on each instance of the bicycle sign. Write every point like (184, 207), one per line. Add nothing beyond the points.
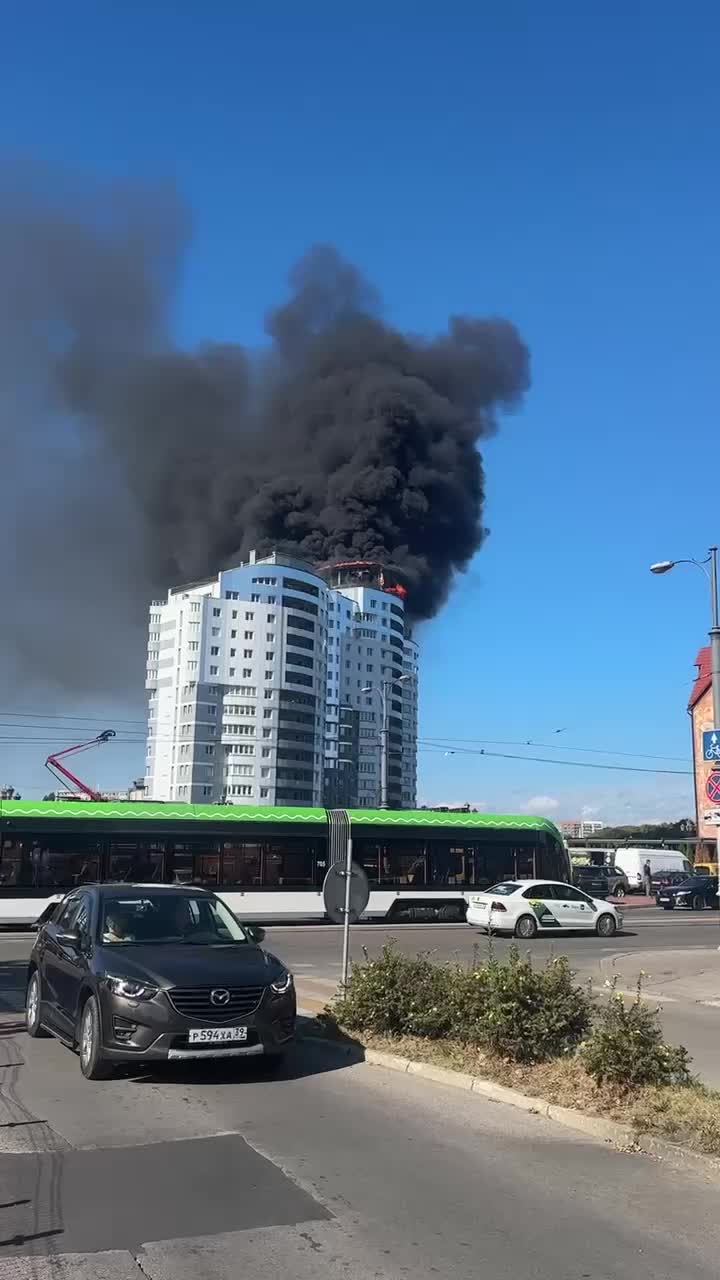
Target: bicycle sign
(711, 745)
(712, 787)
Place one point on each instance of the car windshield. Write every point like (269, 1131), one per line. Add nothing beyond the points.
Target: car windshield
(503, 890)
(164, 917)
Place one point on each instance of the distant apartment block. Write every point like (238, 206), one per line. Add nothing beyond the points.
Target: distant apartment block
(580, 828)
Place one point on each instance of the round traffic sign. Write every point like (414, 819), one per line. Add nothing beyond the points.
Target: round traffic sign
(334, 892)
(712, 787)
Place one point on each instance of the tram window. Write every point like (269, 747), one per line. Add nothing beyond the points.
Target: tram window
(132, 861)
(494, 861)
(450, 864)
(526, 862)
(367, 854)
(12, 863)
(404, 864)
(52, 862)
(241, 863)
(289, 862)
(194, 862)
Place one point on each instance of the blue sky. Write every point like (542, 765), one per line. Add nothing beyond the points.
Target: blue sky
(554, 163)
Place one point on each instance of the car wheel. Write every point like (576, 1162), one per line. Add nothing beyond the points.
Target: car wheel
(92, 1063)
(526, 927)
(33, 1008)
(698, 902)
(619, 891)
(606, 925)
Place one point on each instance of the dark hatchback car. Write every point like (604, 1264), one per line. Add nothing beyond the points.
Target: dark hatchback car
(133, 973)
(694, 892)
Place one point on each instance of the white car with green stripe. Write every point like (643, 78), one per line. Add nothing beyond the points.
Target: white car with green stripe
(529, 907)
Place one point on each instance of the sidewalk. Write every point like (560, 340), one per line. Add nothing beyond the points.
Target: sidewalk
(632, 901)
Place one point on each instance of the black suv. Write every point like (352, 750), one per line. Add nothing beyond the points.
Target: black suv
(127, 973)
(600, 882)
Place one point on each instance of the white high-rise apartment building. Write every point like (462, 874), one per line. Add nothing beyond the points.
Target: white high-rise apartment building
(271, 683)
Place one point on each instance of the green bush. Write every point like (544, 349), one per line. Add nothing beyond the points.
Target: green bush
(527, 1014)
(397, 995)
(626, 1047)
(508, 1008)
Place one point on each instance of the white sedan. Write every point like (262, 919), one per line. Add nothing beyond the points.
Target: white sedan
(529, 907)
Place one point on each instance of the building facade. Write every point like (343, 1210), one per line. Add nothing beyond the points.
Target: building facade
(267, 685)
(580, 828)
(700, 710)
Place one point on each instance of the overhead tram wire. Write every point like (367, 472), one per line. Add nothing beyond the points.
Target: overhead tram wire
(574, 764)
(547, 746)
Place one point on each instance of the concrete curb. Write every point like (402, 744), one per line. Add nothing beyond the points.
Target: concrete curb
(610, 1131)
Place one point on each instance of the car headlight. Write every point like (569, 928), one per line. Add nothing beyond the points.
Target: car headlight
(282, 984)
(131, 989)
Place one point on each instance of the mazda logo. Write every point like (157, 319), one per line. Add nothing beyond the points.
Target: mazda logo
(220, 996)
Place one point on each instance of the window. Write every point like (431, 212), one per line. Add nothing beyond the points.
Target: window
(265, 752)
(216, 613)
(269, 655)
(212, 689)
(214, 650)
(241, 863)
(216, 631)
(231, 672)
(247, 653)
(267, 713)
(268, 675)
(247, 672)
(294, 584)
(270, 638)
(193, 644)
(267, 733)
(214, 671)
(209, 751)
(268, 693)
(264, 792)
(264, 773)
(271, 618)
(234, 613)
(248, 635)
(255, 598)
(233, 635)
(369, 667)
(271, 599)
(233, 653)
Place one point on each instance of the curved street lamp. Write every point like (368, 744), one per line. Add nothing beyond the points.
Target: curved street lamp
(664, 566)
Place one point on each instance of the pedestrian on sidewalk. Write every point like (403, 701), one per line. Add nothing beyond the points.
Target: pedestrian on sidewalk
(647, 877)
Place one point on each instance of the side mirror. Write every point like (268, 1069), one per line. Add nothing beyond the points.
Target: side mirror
(255, 933)
(68, 938)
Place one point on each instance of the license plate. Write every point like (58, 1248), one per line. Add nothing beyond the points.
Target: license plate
(217, 1035)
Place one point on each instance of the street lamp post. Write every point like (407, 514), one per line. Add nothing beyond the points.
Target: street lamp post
(664, 566)
(382, 692)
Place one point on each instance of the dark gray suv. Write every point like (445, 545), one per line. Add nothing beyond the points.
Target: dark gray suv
(127, 973)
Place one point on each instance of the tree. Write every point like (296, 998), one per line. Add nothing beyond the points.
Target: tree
(9, 793)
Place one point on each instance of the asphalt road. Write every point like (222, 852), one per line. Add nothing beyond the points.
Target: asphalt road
(334, 1169)
(318, 948)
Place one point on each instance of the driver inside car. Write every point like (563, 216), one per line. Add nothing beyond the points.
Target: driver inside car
(117, 928)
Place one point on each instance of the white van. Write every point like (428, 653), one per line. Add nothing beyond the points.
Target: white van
(632, 861)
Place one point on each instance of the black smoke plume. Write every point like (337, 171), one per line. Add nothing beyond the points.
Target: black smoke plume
(130, 464)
